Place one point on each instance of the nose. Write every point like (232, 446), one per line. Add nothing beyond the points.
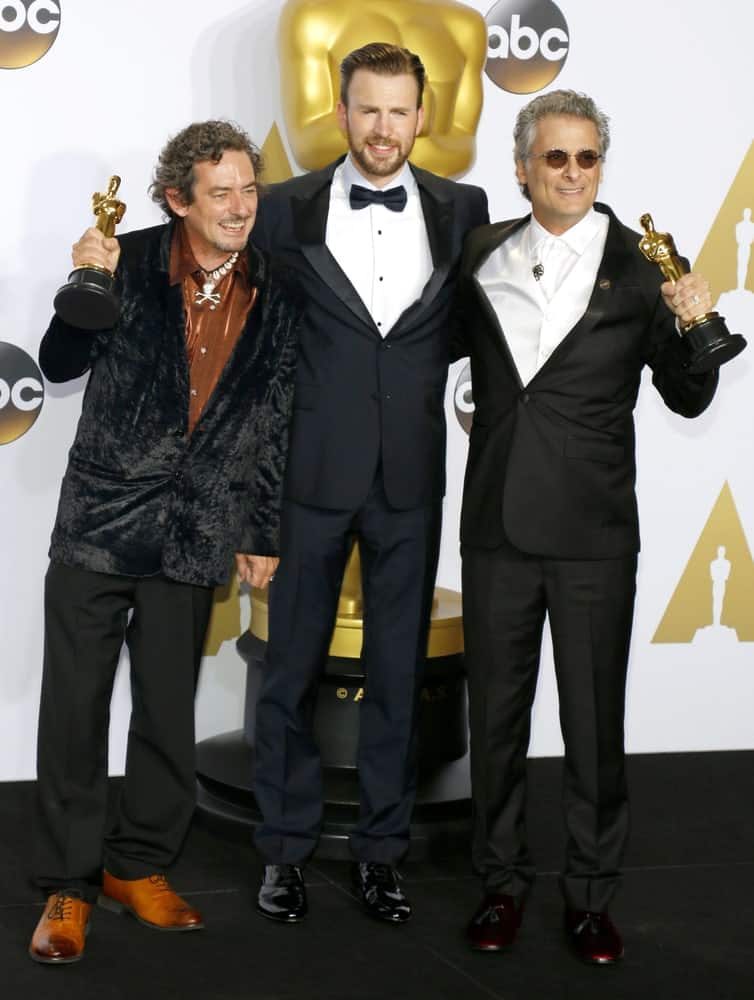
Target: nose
(571, 169)
(236, 204)
(382, 123)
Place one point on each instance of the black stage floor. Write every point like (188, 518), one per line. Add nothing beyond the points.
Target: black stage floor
(686, 912)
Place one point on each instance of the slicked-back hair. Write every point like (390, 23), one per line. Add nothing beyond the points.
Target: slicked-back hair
(201, 142)
(556, 103)
(385, 60)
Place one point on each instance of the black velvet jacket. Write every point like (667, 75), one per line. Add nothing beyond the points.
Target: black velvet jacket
(139, 495)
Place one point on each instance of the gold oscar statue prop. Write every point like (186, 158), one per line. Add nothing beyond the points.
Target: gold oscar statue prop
(450, 39)
(706, 338)
(88, 301)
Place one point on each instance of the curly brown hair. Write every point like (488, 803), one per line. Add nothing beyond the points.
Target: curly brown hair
(197, 143)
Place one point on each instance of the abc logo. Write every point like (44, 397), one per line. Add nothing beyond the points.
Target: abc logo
(527, 44)
(463, 400)
(21, 391)
(27, 30)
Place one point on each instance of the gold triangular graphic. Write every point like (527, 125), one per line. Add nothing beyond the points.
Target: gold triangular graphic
(690, 610)
(225, 622)
(723, 254)
(277, 166)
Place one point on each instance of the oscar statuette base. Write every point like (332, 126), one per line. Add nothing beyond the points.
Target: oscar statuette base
(87, 301)
(710, 344)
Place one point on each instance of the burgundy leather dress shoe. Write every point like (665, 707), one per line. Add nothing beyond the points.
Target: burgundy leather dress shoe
(593, 937)
(495, 923)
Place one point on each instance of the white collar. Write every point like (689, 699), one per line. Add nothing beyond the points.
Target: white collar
(577, 238)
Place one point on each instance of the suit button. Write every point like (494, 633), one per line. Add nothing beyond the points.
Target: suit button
(524, 397)
(388, 395)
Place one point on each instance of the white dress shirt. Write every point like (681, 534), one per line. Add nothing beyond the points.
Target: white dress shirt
(384, 254)
(536, 316)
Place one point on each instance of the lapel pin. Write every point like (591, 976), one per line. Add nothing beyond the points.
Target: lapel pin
(604, 284)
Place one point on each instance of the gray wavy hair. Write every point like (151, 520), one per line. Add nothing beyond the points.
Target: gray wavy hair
(556, 102)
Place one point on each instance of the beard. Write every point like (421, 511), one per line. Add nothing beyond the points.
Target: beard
(229, 242)
(379, 167)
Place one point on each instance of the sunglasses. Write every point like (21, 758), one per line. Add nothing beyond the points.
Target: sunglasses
(557, 158)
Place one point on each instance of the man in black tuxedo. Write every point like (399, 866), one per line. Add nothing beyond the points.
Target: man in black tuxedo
(561, 313)
(376, 244)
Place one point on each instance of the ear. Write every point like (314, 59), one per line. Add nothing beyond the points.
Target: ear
(342, 112)
(521, 175)
(419, 119)
(177, 204)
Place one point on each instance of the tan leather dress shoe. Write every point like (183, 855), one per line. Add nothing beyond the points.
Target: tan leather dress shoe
(60, 934)
(151, 901)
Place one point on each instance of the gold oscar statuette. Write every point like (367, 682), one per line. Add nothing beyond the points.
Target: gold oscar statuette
(87, 300)
(707, 339)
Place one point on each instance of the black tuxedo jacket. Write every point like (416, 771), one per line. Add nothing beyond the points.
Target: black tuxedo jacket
(141, 496)
(551, 465)
(361, 399)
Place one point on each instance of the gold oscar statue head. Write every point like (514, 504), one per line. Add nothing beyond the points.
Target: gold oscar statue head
(449, 38)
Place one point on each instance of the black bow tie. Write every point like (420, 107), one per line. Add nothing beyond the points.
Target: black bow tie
(394, 198)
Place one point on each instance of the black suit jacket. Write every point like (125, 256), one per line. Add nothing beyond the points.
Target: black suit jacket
(141, 496)
(551, 466)
(361, 399)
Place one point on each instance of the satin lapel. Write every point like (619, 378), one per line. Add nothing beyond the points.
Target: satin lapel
(497, 234)
(439, 210)
(439, 217)
(615, 264)
(310, 225)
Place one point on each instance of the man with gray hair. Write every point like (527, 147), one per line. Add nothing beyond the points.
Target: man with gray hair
(177, 465)
(561, 313)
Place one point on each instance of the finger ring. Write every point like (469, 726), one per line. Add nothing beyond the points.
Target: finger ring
(695, 300)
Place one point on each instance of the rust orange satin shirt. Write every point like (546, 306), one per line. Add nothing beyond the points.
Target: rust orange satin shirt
(211, 333)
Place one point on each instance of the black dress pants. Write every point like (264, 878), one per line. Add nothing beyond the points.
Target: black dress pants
(399, 550)
(88, 616)
(506, 595)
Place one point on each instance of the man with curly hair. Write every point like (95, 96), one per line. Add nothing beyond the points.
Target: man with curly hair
(177, 465)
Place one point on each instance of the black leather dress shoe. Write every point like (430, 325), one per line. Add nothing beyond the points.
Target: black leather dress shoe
(379, 892)
(495, 923)
(282, 894)
(593, 937)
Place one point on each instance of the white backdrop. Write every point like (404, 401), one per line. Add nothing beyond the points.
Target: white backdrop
(675, 78)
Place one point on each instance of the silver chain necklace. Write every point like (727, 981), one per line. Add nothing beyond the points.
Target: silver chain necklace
(208, 293)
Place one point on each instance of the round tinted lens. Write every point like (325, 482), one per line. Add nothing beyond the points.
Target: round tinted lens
(587, 158)
(555, 158)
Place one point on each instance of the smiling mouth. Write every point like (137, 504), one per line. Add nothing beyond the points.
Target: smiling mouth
(381, 149)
